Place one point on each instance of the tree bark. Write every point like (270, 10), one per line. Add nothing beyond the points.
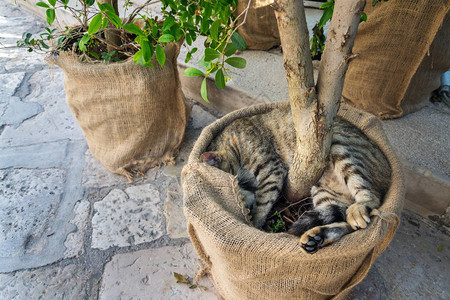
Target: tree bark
(313, 115)
(337, 55)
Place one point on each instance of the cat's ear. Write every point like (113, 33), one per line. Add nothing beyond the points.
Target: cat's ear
(211, 158)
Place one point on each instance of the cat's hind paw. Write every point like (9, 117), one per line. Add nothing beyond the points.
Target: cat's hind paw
(312, 240)
(358, 216)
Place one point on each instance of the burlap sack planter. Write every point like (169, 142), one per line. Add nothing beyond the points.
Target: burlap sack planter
(403, 50)
(133, 117)
(260, 30)
(246, 263)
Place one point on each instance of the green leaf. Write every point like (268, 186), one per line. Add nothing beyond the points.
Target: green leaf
(84, 40)
(133, 28)
(237, 62)
(138, 58)
(42, 4)
(165, 38)
(146, 51)
(88, 2)
(52, 2)
(238, 41)
(211, 54)
(188, 39)
(230, 50)
(155, 30)
(177, 32)
(440, 248)
(95, 55)
(327, 4)
(203, 91)
(327, 14)
(105, 7)
(363, 17)
(95, 24)
(204, 26)
(220, 79)
(168, 23)
(188, 57)
(160, 55)
(214, 30)
(50, 16)
(193, 72)
(113, 18)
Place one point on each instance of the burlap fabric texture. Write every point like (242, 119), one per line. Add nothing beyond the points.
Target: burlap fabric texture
(397, 70)
(260, 30)
(133, 117)
(246, 263)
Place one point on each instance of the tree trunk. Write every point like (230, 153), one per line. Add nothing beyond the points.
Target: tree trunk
(112, 35)
(313, 115)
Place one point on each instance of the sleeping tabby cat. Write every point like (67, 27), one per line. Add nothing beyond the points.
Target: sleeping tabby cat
(259, 150)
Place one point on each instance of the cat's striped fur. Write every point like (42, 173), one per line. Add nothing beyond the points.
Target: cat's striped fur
(259, 149)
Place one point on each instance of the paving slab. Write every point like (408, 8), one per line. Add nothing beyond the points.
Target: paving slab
(96, 175)
(55, 122)
(128, 217)
(9, 83)
(29, 200)
(176, 226)
(200, 117)
(148, 274)
(421, 137)
(76, 241)
(38, 202)
(45, 155)
(16, 112)
(414, 266)
(69, 282)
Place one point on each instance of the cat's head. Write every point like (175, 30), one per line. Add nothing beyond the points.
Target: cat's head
(217, 159)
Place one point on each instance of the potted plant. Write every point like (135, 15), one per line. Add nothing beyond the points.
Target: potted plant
(121, 77)
(247, 263)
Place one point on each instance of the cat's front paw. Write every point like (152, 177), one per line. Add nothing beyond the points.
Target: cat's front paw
(358, 216)
(312, 240)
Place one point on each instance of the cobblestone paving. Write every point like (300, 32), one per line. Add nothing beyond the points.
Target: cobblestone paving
(70, 229)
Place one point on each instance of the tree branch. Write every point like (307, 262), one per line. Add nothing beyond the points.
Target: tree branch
(313, 114)
(337, 55)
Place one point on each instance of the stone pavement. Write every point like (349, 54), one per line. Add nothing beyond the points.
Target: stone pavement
(70, 229)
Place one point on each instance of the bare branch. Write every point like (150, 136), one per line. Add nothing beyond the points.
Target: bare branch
(138, 9)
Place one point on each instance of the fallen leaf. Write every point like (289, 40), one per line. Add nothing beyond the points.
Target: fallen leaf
(181, 278)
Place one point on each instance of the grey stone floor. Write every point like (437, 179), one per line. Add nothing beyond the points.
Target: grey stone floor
(70, 230)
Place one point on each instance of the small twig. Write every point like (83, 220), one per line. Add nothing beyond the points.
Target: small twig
(295, 203)
(138, 9)
(107, 43)
(299, 209)
(288, 220)
(74, 14)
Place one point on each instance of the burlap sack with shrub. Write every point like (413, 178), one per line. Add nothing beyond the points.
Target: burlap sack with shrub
(386, 79)
(246, 263)
(133, 117)
(260, 30)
